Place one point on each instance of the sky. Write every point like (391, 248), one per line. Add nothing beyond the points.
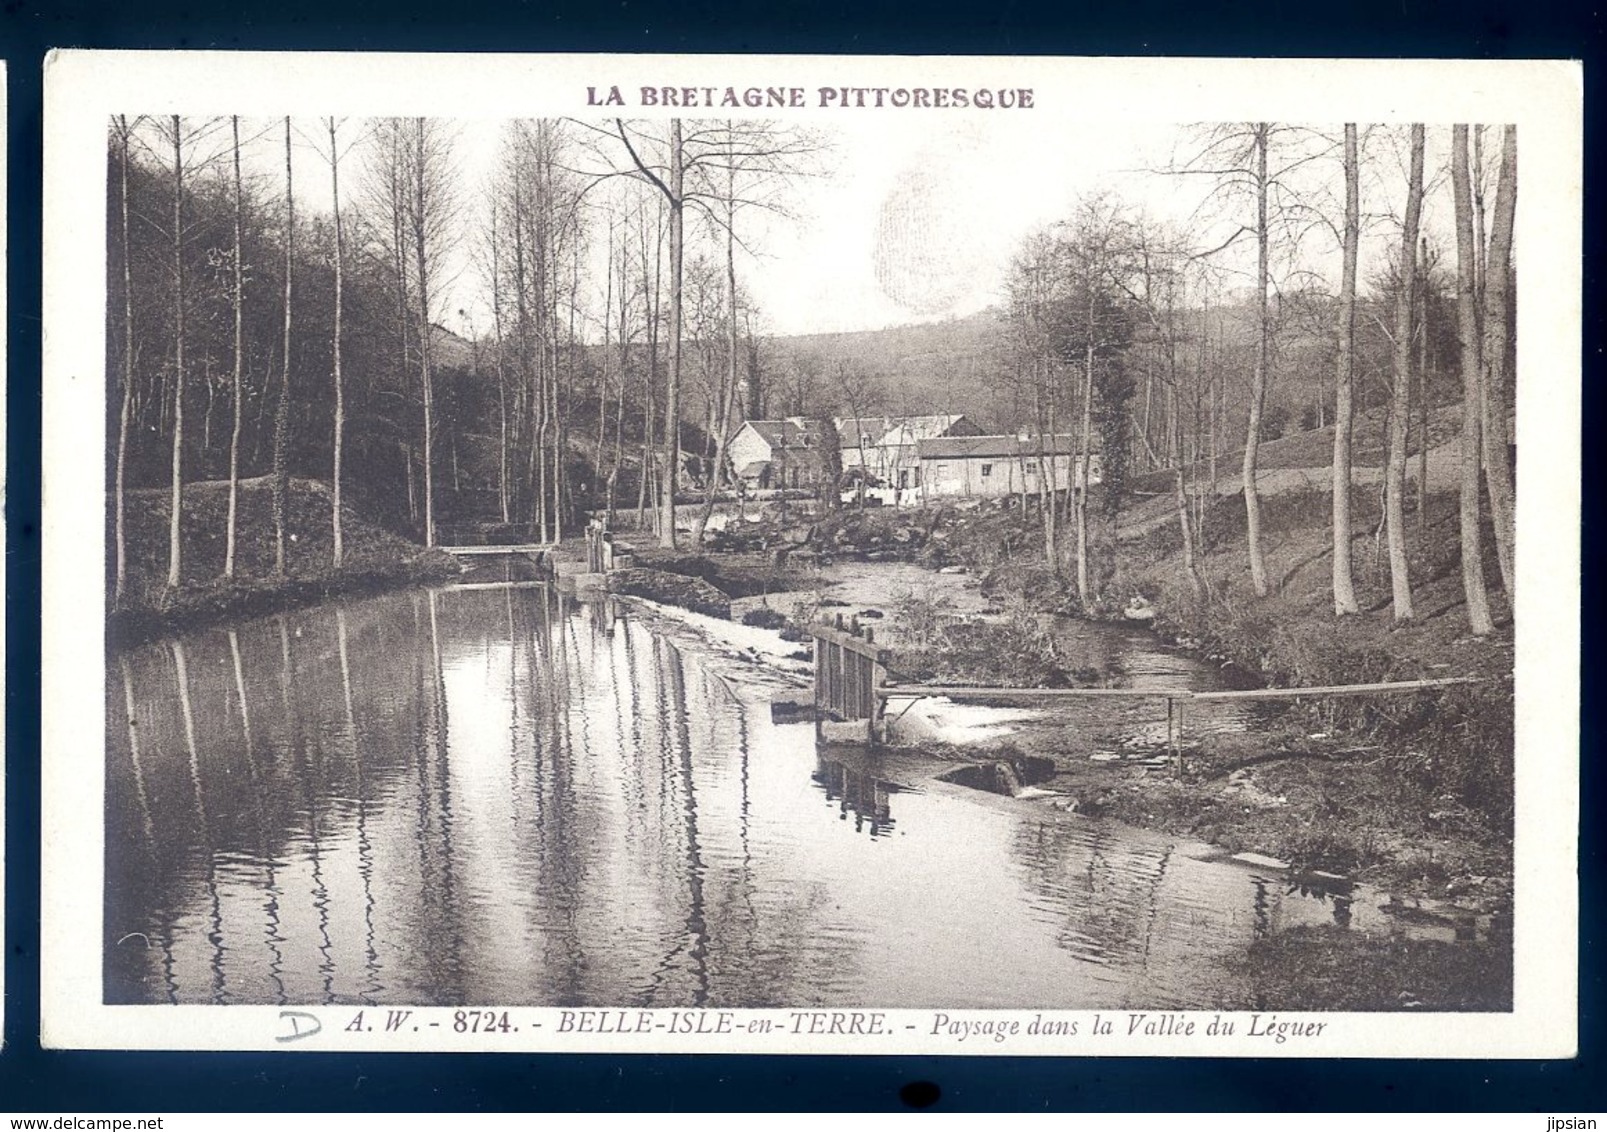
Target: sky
(906, 220)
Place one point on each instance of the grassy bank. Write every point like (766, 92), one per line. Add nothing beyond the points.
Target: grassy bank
(1413, 792)
(373, 559)
(1337, 969)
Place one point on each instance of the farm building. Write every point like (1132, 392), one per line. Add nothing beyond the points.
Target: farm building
(783, 453)
(891, 458)
(792, 453)
(990, 466)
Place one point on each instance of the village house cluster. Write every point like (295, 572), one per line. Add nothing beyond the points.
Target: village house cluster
(903, 461)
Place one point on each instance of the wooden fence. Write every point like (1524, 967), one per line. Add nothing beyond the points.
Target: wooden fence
(851, 687)
(849, 672)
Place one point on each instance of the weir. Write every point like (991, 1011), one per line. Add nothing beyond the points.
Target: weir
(852, 692)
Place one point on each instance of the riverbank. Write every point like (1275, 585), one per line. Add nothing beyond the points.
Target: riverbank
(1411, 793)
(373, 559)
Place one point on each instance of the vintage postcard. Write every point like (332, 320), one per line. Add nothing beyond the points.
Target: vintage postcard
(802, 555)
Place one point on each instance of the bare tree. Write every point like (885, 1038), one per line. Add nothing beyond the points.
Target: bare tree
(239, 355)
(175, 550)
(123, 129)
(340, 392)
(1495, 386)
(754, 147)
(1344, 413)
(1473, 586)
(281, 420)
(1160, 274)
(1238, 159)
(1400, 394)
(1258, 380)
(424, 207)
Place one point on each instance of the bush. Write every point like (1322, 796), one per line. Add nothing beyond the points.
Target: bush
(765, 618)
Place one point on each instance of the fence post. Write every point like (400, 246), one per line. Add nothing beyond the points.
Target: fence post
(1176, 735)
(877, 720)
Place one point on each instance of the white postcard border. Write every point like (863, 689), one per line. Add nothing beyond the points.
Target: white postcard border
(1544, 98)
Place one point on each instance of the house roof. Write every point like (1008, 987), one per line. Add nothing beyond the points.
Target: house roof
(792, 433)
(913, 430)
(850, 429)
(999, 447)
(883, 432)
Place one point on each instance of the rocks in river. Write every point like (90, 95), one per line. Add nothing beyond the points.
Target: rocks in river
(790, 711)
(671, 589)
(953, 570)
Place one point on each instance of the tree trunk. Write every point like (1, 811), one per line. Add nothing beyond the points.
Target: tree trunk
(175, 552)
(1497, 358)
(1423, 359)
(281, 417)
(502, 372)
(239, 358)
(647, 488)
(672, 408)
(1344, 414)
(728, 408)
(340, 393)
(1478, 602)
(420, 234)
(1191, 565)
(1045, 489)
(1400, 406)
(128, 374)
(1079, 484)
(605, 358)
(398, 210)
(1258, 379)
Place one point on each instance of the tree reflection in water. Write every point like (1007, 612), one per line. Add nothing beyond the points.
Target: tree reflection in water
(499, 795)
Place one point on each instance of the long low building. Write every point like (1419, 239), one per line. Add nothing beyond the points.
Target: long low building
(797, 451)
(992, 466)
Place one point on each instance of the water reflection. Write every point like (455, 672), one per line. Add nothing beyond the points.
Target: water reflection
(499, 795)
(856, 793)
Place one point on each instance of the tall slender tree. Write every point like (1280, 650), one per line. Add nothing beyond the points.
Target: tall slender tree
(123, 131)
(340, 389)
(1495, 387)
(175, 548)
(1400, 395)
(281, 419)
(1344, 412)
(1473, 585)
(1258, 378)
(422, 203)
(238, 298)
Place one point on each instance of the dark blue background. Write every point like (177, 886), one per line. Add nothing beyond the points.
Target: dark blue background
(32, 1079)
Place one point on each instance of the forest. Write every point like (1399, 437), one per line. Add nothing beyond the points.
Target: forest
(280, 311)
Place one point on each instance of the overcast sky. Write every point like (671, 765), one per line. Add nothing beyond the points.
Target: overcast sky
(913, 219)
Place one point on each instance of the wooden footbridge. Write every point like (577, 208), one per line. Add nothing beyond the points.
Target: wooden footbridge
(852, 691)
(529, 549)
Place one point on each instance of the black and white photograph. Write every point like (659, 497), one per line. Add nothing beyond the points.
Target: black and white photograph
(807, 555)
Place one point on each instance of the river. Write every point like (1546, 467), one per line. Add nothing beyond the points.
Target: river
(497, 794)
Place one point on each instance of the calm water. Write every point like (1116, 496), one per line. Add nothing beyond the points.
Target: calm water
(498, 795)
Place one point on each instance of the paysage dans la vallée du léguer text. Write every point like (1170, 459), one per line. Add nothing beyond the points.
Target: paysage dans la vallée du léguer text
(823, 1023)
